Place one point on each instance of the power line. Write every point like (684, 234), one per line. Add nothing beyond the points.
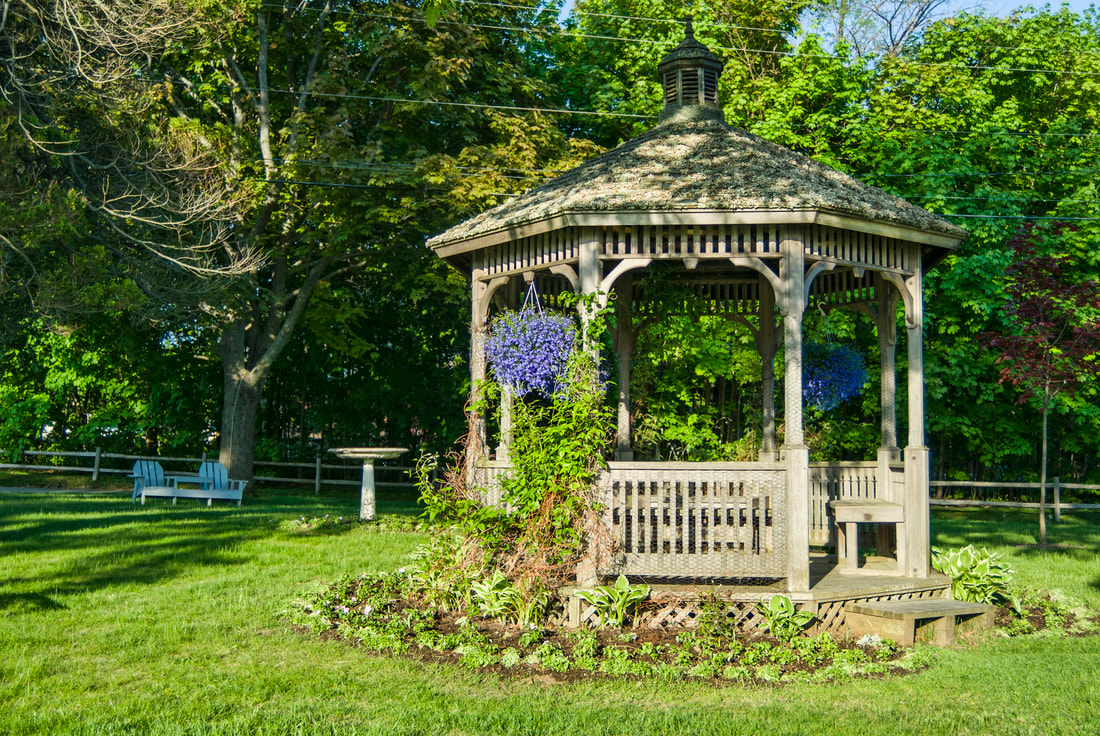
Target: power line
(514, 108)
(983, 173)
(511, 172)
(741, 49)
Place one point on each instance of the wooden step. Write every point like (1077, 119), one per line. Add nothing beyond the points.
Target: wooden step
(931, 620)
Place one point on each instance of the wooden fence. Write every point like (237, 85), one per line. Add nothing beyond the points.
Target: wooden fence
(1054, 500)
(316, 473)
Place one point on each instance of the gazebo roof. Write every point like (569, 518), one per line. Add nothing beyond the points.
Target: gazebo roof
(692, 163)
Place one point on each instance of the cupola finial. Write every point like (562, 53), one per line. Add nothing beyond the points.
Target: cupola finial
(689, 78)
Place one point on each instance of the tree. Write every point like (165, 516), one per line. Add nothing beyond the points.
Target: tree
(244, 153)
(1052, 341)
(878, 27)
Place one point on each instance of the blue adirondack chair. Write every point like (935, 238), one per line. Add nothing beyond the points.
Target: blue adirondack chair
(214, 476)
(148, 475)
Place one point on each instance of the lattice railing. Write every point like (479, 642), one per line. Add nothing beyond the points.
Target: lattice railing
(699, 520)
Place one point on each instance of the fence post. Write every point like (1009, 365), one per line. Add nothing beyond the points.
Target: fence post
(1057, 500)
(317, 476)
(95, 466)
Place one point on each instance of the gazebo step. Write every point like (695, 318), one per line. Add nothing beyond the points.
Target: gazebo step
(930, 620)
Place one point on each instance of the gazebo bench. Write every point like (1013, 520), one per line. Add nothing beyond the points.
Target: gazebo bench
(930, 619)
(849, 513)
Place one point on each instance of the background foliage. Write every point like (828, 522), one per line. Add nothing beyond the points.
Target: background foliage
(990, 120)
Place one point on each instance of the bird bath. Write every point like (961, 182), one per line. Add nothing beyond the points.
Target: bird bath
(367, 455)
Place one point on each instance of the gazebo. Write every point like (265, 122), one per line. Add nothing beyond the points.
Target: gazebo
(758, 230)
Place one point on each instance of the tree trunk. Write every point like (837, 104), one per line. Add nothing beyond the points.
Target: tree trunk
(1043, 472)
(241, 402)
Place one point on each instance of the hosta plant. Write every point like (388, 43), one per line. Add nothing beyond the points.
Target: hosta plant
(784, 622)
(497, 597)
(614, 603)
(976, 575)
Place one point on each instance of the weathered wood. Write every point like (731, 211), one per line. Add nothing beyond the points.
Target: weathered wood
(908, 622)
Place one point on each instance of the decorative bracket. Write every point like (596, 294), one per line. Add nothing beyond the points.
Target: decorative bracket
(621, 268)
(905, 288)
(567, 273)
(490, 289)
(812, 273)
(757, 265)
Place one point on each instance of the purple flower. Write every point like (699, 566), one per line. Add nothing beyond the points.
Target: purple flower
(527, 350)
(831, 374)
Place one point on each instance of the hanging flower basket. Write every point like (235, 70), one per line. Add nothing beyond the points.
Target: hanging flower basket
(831, 374)
(527, 350)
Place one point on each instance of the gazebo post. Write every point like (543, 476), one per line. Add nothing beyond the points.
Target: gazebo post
(767, 346)
(916, 536)
(588, 278)
(624, 346)
(793, 304)
(477, 441)
(885, 319)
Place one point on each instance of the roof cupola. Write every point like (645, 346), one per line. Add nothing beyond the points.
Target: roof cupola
(689, 77)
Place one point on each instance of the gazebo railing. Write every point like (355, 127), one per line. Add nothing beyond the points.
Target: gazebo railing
(697, 519)
(714, 519)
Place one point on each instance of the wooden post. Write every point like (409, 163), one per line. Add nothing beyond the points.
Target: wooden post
(766, 346)
(476, 440)
(95, 465)
(588, 274)
(317, 476)
(886, 327)
(792, 303)
(1057, 500)
(624, 344)
(915, 557)
(507, 400)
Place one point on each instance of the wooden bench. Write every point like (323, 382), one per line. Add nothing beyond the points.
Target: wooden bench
(931, 620)
(849, 513)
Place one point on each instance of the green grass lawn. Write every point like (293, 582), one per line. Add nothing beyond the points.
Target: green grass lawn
(170, 620)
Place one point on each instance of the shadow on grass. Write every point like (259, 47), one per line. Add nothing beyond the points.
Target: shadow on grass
(94, 542)
(28, 603)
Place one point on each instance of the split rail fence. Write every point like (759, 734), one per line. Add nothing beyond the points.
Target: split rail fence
(1054, 501)
(316, 473)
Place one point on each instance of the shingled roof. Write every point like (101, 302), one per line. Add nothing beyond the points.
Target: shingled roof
(693, 163)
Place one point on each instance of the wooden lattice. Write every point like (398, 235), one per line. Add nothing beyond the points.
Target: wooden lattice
(670, 610)
(696, 519)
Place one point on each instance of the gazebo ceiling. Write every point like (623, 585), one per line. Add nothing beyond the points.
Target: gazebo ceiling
(692, 164)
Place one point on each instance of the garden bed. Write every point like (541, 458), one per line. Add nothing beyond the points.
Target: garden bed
(379, 615)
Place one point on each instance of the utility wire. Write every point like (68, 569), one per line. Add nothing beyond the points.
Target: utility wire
(702, 23)
(514, 108)
(741, 49)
